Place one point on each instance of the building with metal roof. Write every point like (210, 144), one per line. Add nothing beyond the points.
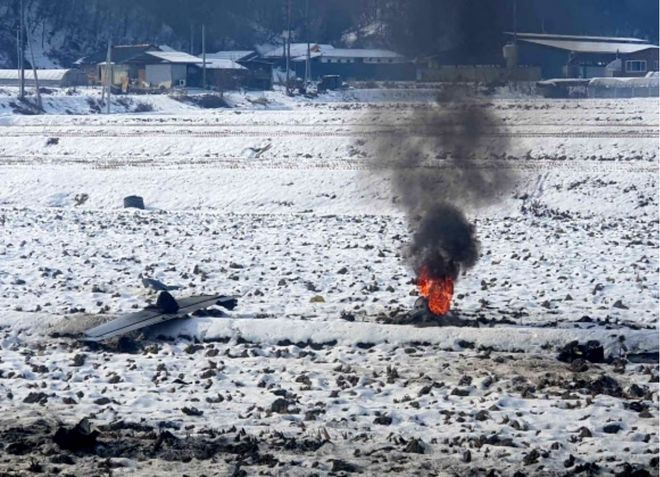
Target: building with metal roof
(234, 55)
(278, 52)
(214, 63)
(260, 70)
(357, 64)
(119, 54)
(223, 74)
(573, 56)
(174, 57)
(357, 53)
(54, 78)
(549, 36)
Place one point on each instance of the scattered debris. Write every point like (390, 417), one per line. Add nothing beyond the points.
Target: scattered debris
(80, 199)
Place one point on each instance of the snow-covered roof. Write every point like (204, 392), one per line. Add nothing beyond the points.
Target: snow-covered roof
(233, 55)
(120, 54)
(304, 57)
(590, 46)
(564, 81)
(646, 82)
(222, 64)
(297, 49)
(351, 53)
(46, 75)
(550, 36)
(174, 57)
(359, 53)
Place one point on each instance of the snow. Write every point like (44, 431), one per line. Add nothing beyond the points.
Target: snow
(645, 82)
(175, 57)
(234, 55)
(282, 202)
(223, 64)
(271, 332)
(49, 75)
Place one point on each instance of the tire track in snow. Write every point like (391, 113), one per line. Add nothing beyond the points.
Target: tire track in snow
(239, 163)
(604, 134)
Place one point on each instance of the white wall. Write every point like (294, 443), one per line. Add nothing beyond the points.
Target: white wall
(165, 75)
(159, 75)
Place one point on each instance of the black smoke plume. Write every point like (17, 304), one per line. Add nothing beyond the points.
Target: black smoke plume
(443, 161)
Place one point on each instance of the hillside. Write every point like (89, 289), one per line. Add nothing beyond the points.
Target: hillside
(64, 30)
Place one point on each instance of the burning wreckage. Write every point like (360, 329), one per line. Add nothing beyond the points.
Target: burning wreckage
(433, 194)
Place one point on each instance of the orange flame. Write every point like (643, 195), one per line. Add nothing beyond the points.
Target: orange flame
(438, 291)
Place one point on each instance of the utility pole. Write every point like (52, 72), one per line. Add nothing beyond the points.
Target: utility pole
(18, 54)
(21, 55)
(34, 67)
(515, 21)
(204, 56)
(192, 38)
(108, 76)
(308, 65)
(288, 48)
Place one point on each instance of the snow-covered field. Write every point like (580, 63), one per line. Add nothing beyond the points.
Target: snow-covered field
(278, 201)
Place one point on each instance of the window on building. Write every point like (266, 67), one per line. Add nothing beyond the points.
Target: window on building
(635, 66)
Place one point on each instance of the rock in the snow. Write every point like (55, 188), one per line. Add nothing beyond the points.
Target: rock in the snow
(415, 446)
(339, 465)
(532, 457)
(79, 437)
(611, 428)
(592, 351)
(36, 398)
(191, 411)
(133, 201)
(280, 406)
(383, 420)
(579, 365)
(584, 432)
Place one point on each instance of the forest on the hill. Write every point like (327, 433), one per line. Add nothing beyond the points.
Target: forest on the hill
(470, 29)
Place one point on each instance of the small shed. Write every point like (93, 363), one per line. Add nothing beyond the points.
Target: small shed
(260, 70)
(167, 69)
(54, 78)
(224, 74)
